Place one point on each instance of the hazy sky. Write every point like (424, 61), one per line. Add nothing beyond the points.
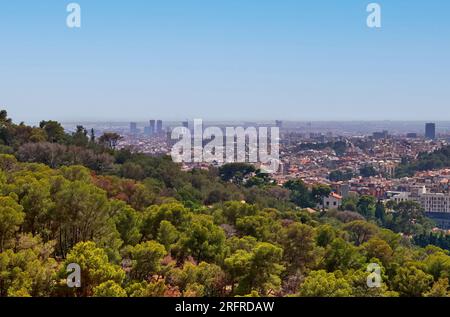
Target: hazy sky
(225, 59)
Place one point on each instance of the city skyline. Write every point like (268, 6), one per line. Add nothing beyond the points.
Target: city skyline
(380, 125)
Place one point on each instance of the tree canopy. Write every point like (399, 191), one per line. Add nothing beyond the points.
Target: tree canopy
(138, 226)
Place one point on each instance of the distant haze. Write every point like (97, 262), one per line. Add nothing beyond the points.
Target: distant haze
(337, 128)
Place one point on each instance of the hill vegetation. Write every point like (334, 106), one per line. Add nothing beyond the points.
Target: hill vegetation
(140, 227)
(425, 161)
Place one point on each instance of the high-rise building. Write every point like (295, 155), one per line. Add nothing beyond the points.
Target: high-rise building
(152, 127)
(381, 135)
(159, 126)
(185, 124)
(279, 124)
(133, 128)
(430, 131)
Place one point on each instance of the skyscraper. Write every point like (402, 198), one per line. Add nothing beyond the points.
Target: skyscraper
(133, 128)
(430, 131)
(152, 127)
(159, 126)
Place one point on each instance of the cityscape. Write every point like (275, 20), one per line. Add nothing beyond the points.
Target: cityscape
(192, 156)
(335, 157)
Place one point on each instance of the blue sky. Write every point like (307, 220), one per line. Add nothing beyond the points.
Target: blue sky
(225, 59)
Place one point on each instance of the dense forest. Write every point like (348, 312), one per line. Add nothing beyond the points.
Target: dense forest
(140, 227)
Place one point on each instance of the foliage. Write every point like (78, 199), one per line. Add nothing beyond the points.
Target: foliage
(368, 171)
(11, 217)
(411, 281)
(145, 259)
(95, 267)
(138, 226)
(323, 284)
(339, 176)
(425, 162)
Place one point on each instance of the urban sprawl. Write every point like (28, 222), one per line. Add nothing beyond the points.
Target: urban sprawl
(351, 162)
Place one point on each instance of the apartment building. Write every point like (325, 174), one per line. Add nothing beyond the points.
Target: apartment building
(434, 202)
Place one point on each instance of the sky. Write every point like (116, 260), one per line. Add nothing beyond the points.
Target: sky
(225, 60)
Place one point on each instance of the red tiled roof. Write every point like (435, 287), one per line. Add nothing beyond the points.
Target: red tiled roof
(334, 195)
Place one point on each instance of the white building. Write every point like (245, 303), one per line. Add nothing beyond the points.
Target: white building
(430, 202)
(398, 197)
(434, 202)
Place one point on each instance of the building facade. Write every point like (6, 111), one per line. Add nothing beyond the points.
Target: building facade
(430, 131)
(333, 201)
(159, 125)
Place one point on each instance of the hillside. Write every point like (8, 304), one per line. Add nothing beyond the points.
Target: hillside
(138, 226)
